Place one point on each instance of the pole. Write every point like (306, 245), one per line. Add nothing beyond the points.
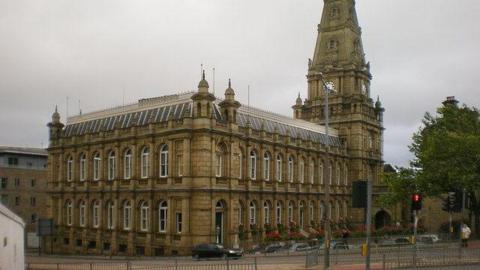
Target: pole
(415, 222)
(450, 227)
(326, 262)
(368, 222)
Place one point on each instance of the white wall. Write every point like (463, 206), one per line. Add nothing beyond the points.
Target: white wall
(12, 256)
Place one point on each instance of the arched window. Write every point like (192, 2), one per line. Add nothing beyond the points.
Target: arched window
(111, 165)
(240, 165)
(83, 167)
(127, 215)
(266, 166)
(290, 211)
(330, 172)
(322, 211)
(96, 166)
(82, 211)
(96, 214)
(144, 214)
(311, 171)
(110, 215)
(70, 169)
(329, 211)
(69, 212)
(311, 212)
(345, 175)
(253, 165)
(320, 173)
(301, 171)
(266, 213)
(162, 216)
(253, 213)
(219, 163)
(240, 213)
(338, 175)
(279, 213)
(278, 168)
(337, 211)
(164, 161)
(127, 164)
(145, 163)
(302, 214)
(290, 169)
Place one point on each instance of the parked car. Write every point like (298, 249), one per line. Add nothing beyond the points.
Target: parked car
(400, 241)
(300, 247)
(272, 248)
(340, 244)
(215, 251)
(428, 238)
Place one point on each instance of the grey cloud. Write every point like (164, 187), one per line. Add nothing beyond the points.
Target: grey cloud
(101, 51)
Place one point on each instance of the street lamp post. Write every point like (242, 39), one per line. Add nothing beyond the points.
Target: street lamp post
(328, 87)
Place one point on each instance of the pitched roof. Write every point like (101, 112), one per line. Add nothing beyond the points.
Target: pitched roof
(175, 107)
(23, 150)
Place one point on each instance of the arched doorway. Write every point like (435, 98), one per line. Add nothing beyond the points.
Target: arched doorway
(220, 222)
(382, 219)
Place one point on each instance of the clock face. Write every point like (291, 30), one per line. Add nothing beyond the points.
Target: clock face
(330, 86)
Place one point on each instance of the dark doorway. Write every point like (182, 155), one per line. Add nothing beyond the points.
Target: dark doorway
(382, 219)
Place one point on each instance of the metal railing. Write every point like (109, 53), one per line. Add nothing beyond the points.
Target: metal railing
(176, 265)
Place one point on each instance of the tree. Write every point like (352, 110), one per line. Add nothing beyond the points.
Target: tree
(447, 153)
(401, 186)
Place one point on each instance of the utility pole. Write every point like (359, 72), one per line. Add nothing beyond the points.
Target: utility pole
(328, 232)
(368, 222)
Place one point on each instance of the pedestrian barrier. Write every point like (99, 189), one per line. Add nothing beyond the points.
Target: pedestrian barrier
(219, 265)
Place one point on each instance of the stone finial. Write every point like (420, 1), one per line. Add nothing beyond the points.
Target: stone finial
(298, 102)
(203, 84)
(56, 116)
(229, 93)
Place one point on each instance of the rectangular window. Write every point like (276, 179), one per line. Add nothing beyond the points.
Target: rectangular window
(178, 219)
(17, 182)
(33, 218)
(163, 164)
(33, 182)
(127, 170)
(240, 166)
(33, 201)
(17, 201)
(83, 169)
(279, 170)
(180, 165)
(4, 199)
(13, 161)
(4, 182)
(302, 172)
(96, 220)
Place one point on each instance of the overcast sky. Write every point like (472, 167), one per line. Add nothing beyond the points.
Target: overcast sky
(104, 52)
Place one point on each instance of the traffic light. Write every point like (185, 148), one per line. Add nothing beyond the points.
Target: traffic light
(416, 201)
(454, 201)
(449, 202)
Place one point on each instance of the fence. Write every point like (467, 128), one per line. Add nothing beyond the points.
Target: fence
(402, 258)
(219, 265)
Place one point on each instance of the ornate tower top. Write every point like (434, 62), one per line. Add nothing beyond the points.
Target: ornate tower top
(339, 41)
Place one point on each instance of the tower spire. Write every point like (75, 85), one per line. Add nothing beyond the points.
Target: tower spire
(339, 39)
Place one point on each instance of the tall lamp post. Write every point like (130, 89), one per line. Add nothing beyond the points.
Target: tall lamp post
(328, 87)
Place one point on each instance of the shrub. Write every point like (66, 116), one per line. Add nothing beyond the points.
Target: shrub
(273, 236)
(296, 236)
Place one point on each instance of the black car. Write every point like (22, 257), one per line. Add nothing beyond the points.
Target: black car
(215, 251)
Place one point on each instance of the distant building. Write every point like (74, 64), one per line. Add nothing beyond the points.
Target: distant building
(167, 173)
(12, 247)
(23, 185)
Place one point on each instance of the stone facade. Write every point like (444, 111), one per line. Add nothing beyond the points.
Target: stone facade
(167, 173)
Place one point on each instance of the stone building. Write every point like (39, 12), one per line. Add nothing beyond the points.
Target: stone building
(23, 185)
(166, 173)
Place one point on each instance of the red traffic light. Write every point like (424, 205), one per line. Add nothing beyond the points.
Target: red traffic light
(416, 198)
